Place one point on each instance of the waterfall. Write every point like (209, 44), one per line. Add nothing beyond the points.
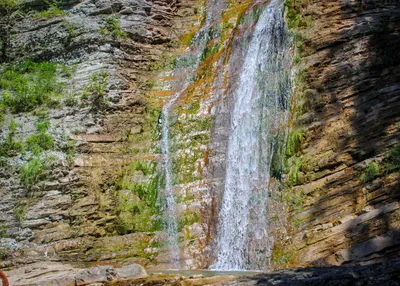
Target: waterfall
(258, 116)
(192, 55)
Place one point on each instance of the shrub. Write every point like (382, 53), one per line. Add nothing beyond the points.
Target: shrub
(41, 141)
(96, 91)
(53, 10)
(20, 211)
(29, 85)
(146, 167)
(10, 145)
(370, 172)
(31, 171)
(112, 26)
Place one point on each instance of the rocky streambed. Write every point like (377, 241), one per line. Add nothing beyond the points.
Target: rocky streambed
(56, 273)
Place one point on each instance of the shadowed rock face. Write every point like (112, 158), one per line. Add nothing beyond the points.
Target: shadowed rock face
(350, 118)
(375, 274)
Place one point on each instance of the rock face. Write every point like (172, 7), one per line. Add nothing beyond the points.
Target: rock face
(347, 116)
(63, 274)
(103, 121)
(79, 172)
(377, 274)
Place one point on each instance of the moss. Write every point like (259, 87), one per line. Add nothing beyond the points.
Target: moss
(281, 256)
(295, 199)
(137, 199)
(294, 15)
(209, 51)
(393, 158)
(293, 144)
(185, 166)
(184, 62)
(370, 173)
(294, 174)
(277, 163)
(188, 218)
(188, 39)
(295, 223)
(3, 231)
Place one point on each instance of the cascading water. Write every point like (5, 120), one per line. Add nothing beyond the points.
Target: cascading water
(260, 109)
(193, 56)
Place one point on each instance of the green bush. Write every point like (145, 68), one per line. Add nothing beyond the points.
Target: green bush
(370, 172)
(112, 26)
(31, 171)
(9, 145)
(20, 211)
(146, 167)
(96, 91)
(52, 11)
(41, 141)
(28, 85)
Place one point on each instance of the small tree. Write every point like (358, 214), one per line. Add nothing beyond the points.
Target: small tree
(7, 8)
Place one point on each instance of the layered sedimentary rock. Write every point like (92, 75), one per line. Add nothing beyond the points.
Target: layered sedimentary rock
(347, 120)
(73, 206)
(98, 199)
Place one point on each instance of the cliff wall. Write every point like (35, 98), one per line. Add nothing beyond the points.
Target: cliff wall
(65, 199)
(345, 181)
(79, 166)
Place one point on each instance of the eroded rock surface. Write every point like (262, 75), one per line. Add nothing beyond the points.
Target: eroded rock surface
(64, 274)
(74, 202)
(345, 202)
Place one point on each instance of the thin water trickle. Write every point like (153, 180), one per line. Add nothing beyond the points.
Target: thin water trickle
(260, 102)
(168, 203)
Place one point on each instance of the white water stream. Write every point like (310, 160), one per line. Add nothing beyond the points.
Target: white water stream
(260, 105)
